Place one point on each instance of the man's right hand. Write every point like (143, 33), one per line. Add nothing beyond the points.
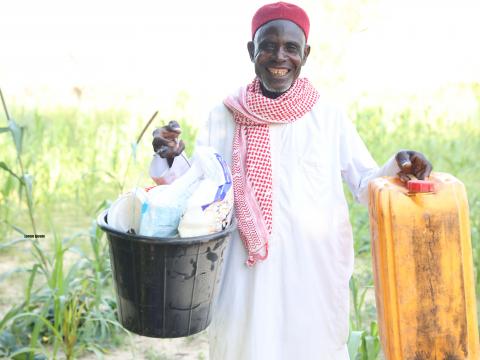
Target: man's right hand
(165, 141)
(413, 162)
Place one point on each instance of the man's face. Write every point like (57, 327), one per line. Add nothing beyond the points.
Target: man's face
(279, 52)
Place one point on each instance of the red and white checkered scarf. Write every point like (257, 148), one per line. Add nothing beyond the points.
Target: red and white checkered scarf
(251, 159)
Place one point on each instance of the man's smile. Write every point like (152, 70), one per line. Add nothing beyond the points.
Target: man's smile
(278, 72)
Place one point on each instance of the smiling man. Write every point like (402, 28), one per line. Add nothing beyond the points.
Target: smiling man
(289, 152)
(279, 51)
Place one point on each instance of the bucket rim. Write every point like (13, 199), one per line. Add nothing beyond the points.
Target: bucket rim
(102, 223)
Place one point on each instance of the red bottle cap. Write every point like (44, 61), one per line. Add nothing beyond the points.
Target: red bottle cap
(416, 186)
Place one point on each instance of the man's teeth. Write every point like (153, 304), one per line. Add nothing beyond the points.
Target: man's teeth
(278, 72)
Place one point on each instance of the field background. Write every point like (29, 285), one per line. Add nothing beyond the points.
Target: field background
(81, 82)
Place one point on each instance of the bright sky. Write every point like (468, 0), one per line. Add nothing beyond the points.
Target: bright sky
(424, 42)
(144, 52)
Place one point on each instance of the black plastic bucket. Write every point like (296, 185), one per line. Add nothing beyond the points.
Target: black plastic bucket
(166, 287)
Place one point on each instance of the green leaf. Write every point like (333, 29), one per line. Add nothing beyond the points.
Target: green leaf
(7, 169)
(17, 134)
(27, 352)
(10, 315)
(8, 186)
(28, 181)
(9, 273)
(6, 245)
(30, 283)
(45, 322)
(74, 273)
(4, 129)
(372, 346)
(37, 328)
(134, 151)
(354, 342)
(7, 342)
(98, 351)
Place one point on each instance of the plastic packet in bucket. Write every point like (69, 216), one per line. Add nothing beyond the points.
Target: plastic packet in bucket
(163, 174)
(125, 212)
(209, 209)
(199, 202)
(165, 204)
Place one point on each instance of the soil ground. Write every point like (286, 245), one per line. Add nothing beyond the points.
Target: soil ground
(139, 347)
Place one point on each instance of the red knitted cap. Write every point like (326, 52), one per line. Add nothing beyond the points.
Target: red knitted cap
(281, 10)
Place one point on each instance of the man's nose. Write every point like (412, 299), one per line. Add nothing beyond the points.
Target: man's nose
(280, 54)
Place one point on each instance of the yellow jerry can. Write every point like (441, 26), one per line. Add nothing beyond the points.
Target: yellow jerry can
(423, 269)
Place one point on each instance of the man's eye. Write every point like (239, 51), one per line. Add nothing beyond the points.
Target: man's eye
(268, 47)
(292, 48)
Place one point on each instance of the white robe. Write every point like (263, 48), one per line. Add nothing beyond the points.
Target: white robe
(295, 304)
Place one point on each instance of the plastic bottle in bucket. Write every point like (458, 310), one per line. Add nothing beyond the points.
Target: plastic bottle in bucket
(166, 287)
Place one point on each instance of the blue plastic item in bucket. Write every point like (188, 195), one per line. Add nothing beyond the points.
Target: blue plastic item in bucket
(166, 287)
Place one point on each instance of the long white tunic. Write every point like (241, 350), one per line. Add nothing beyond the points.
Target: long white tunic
(295, 304)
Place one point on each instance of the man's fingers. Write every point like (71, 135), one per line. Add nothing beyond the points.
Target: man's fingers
(174, 127)
(159, 142)
(170, 131)
(424, 172)
(428, 170)
(165, 140)
(404, 177)
(403, 161)
(167, 148)
(180, 147)
(413, 162)
(164, 151)
(421, 166)
(420, 175)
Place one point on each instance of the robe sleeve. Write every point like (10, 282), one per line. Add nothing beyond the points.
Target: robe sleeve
(217, 132)
(357, 165)
(203, 137)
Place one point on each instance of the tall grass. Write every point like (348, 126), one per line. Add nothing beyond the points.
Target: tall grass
(76, 158)
(67, 305)
(77, 162)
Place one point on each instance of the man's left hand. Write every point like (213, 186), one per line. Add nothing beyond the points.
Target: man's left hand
(165, 141)
(413, 163)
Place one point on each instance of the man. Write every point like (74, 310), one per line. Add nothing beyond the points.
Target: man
(289, 152)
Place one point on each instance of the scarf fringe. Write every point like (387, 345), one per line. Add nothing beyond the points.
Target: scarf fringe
(254, 257)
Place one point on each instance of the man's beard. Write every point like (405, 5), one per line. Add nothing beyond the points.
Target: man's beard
(275, 91)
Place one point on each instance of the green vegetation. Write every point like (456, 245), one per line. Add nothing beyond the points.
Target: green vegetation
(60, 167)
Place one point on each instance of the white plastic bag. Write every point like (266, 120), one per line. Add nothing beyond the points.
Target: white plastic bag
(198, 203)
(209, 209)
(162, 174)
(125, 213)
(166, 203)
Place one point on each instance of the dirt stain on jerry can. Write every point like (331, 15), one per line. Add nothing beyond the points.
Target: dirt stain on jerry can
(423, 270)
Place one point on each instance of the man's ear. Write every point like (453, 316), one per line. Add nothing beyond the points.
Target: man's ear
(306, 52)
(251, 50)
